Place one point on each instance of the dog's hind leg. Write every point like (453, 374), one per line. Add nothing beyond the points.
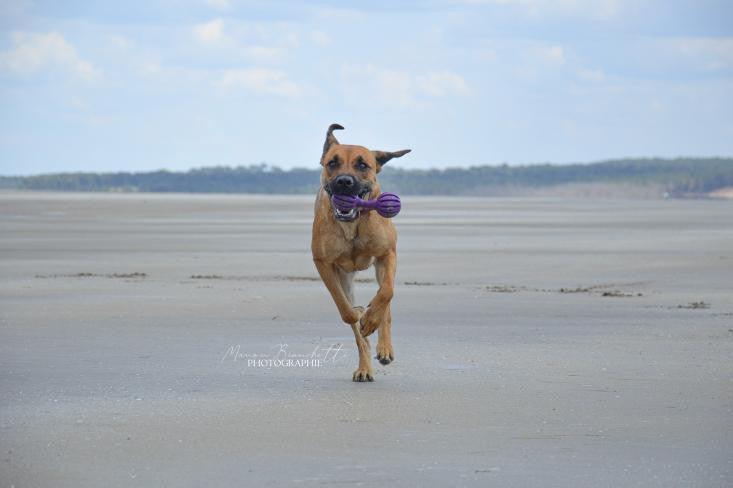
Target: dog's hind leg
(379, 314)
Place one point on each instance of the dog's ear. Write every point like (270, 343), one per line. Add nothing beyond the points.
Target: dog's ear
(383, 156)
(330, 138)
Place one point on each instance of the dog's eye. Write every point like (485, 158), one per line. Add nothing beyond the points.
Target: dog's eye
(362, 166)
(333, 164)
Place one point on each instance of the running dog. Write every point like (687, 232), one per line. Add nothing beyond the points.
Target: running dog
(346, 242)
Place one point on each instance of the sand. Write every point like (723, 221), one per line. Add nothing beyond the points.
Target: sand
(538, 342)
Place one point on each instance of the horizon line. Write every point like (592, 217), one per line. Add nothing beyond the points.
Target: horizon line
(268, 166)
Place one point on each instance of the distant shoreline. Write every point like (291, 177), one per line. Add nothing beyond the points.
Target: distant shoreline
(580, 192)
(627, 178)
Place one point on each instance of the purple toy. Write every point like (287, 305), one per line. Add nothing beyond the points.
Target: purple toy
(387, 204)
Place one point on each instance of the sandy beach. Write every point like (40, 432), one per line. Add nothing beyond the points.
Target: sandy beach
(538, 342)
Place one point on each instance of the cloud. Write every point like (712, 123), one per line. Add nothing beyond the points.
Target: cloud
(219, 4)
(119, 42)
(712, 54)
(596, 10)
(31, 52)
(260, 80)
(263, 53)
(553, 54)
(376, 84)
(523, 59)
(442, 83)
(338, 14)
(258, 41)
(677, 58)
(320, 38)
(591, 74)
(210, 32)
(397, 87)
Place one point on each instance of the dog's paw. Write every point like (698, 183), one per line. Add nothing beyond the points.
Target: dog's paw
(385, 354)
(361, 375)
(354, 316)
(370, 321)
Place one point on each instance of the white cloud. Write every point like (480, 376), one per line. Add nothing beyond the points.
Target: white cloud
(712, 54)
(320, 38)
(263, 53)
(258, 41)
(597, 10)
(260, 80)
(210, 32)
(79, 103)
(31, 52)
(396, 87)
(442, 83)
(341, 14)
(376, 84)
(120, 42)
(553, 54)
(591, 74)
(290, 40)
(522, 59)
(219, 4)
(150, 68)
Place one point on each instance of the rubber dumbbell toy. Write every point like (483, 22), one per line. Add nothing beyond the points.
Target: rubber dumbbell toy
(387, 204)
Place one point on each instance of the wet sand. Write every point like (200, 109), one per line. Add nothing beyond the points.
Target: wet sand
(538, 342)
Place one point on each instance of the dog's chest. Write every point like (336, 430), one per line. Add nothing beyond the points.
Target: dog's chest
(355, 255)
(355, 263)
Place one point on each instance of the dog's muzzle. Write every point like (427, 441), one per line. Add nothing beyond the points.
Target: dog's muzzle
(347, 185)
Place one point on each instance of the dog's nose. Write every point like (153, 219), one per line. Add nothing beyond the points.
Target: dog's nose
(344, 183)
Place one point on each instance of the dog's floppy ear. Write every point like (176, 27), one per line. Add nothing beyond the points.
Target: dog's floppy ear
(330, 138)
(383, 156)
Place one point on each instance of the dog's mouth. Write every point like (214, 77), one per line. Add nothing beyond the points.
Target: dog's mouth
(354, 213)
(349, 216)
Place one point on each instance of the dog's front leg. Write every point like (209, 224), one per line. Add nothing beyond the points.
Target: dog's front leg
(378, 314)
(350, 315)
(364, 372)
(329, 275)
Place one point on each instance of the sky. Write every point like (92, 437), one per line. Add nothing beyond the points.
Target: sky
(163, 84)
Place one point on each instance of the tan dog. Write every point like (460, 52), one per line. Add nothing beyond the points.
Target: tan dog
(346, 242)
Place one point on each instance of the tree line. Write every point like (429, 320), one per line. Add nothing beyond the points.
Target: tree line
(677, 177)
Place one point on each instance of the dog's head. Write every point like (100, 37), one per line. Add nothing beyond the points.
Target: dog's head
(351, 170)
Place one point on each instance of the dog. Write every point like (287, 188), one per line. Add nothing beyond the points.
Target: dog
(346, 242)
